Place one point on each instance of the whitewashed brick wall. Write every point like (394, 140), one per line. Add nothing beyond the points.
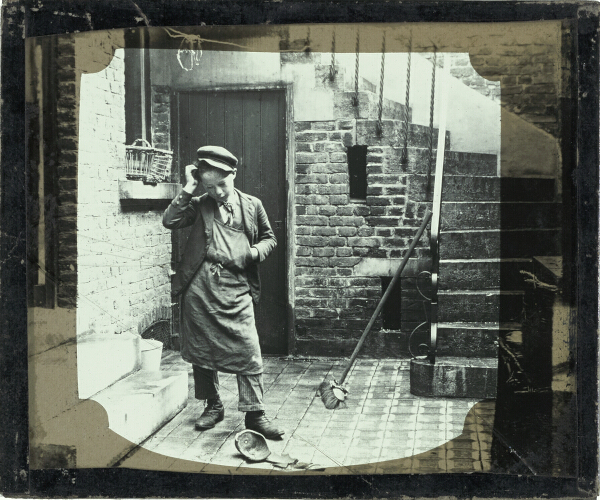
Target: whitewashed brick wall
(124, 253)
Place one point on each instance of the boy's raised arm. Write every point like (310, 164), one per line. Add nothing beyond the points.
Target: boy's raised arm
(181, 212)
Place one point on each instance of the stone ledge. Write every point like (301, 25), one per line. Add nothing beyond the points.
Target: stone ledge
(455, 377)
(137, 190)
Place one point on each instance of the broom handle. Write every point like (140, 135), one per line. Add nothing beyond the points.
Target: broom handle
(389, 289)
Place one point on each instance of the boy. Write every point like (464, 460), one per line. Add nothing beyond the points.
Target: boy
(219, 283)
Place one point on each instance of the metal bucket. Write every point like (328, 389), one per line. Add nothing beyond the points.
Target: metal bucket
(151, 354)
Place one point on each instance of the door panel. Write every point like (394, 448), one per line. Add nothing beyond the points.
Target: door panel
(251, 154)
(250, 124)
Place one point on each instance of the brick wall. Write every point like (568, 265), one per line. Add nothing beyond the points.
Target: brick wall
(529, 74)
(161, 117)
(124, 251)
(460, 68)
(334, 296)
(528, 65)
(529, 77)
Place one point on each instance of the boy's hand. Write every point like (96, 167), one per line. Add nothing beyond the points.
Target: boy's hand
(191, 183)
(254, 253)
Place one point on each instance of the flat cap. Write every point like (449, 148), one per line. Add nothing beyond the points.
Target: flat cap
(217, 157)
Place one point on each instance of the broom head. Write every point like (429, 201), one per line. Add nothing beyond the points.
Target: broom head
(332, 394)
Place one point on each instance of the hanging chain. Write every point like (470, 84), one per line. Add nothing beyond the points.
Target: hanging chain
(355, 97)
(381, 77)
(430, 149)
(332, 70)
(404, 158)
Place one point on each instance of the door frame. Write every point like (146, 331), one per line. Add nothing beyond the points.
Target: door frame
(290, 148)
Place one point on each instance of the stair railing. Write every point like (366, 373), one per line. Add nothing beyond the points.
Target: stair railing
(444, 81)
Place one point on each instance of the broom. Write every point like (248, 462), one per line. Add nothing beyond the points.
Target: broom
(332, 391)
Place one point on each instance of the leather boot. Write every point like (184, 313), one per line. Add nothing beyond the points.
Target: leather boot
(212, 414)
(258, 422)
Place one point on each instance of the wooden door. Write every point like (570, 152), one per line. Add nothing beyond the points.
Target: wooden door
(250, 124)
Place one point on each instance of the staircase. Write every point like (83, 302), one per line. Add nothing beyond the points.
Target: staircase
(491, 228)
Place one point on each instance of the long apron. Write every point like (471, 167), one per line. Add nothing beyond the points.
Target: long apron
(219, 331)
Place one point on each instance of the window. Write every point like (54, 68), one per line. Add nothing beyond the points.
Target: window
(391, 313)
(357, 170)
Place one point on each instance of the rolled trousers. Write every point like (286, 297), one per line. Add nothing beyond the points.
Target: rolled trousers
(250, 388)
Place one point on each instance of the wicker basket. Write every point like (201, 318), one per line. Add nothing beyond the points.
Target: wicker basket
(148, 164)
(161, 165)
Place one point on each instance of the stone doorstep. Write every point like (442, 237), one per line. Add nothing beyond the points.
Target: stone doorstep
(94, 374)
(136, 407)
(454, 377)
(141, 403)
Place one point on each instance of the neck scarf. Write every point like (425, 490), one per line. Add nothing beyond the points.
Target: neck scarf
(229, 208)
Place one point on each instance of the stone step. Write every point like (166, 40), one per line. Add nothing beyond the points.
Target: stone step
(455, 162)
(465, 274)
(418, 137)
(467, 306)
(142, 403)
(481, 188)
(93, 372)
(471, 339)
(480, 306)
(500, 215)
(454, 377)
(496, 243)
(467, 339)
(482, 274)
(322, 76)
(393, 131)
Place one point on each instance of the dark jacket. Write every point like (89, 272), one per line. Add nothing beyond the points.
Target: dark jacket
(198, 211)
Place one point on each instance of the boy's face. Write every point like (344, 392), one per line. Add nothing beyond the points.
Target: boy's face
(218, 184)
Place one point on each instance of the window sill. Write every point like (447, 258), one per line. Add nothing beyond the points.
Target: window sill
(137, 190)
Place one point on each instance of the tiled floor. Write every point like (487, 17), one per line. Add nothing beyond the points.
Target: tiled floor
(384, 428)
